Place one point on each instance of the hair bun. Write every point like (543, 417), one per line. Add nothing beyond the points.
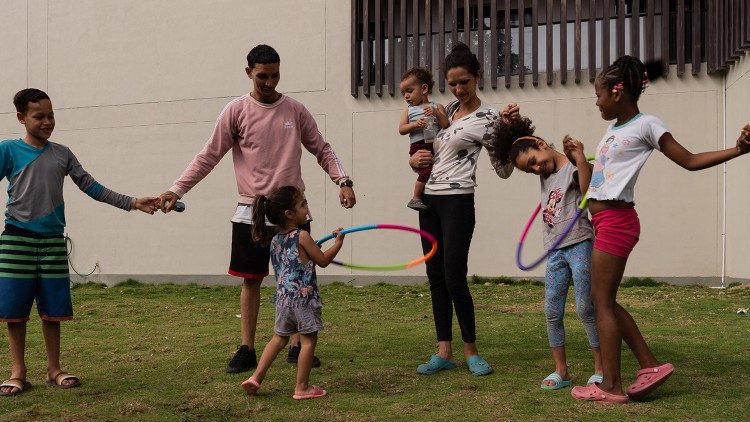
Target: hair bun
(654, 69)
(459, 47)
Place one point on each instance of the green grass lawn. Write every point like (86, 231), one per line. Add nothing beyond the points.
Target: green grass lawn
(159, 352)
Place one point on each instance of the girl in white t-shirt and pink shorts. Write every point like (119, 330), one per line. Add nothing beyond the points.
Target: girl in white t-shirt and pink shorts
(623, 150)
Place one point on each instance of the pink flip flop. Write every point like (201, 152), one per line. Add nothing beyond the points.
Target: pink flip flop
(594, 393)
(317, 392)
(250, 386)
(648, 379)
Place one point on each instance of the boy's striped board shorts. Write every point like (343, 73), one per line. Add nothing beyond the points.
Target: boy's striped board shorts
(33, 267)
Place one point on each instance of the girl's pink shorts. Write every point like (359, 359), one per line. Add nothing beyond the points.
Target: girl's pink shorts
(616, 231)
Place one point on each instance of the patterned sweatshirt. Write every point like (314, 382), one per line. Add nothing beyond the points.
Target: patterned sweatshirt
(35, 188)
(457, 147)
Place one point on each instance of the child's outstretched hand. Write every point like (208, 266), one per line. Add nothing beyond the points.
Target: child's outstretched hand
(339, 236)
(149, 205)
(573, 150)
(743, 142)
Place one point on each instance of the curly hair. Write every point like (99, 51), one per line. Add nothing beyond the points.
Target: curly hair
(632, 73)
(422, 75)
(506, 145)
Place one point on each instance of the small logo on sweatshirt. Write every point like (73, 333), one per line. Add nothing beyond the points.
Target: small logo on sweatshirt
(289, 125)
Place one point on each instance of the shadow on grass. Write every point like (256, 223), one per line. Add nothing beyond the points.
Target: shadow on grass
(641, 282)
(129, 283)
(89, 286)
(629, 282)
(475, 279)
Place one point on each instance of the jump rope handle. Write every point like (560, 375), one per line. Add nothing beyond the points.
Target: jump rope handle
(179, 206)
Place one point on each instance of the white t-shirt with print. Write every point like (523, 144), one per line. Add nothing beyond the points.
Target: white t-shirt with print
(620, 156)
(456, 150)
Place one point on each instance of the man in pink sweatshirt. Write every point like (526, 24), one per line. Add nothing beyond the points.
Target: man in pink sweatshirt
(266, 131)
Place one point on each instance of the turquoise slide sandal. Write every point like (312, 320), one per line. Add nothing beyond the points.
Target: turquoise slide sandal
(558, 382)
(596, 378)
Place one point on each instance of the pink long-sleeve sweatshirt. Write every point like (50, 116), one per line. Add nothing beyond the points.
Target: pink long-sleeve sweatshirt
(266, 141)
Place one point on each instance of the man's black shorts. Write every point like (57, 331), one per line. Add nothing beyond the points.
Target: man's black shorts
(250, 260)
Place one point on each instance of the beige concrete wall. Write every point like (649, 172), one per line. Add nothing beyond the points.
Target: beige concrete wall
(138, 85)
(738, 172)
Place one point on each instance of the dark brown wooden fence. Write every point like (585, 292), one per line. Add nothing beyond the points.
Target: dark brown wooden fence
(518, 37)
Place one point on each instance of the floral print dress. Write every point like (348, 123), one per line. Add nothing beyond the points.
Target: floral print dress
(296, 283)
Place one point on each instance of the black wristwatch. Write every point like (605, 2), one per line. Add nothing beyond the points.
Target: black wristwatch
(346, 183)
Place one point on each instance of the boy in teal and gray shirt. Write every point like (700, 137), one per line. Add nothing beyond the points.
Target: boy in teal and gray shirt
(33, 251)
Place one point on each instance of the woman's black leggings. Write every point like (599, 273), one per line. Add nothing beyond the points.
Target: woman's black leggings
(450, 218)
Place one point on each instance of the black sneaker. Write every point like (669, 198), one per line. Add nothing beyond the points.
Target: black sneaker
(293, 356)
(244, 359)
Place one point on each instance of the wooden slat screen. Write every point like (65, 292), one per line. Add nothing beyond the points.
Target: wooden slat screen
(696, 31)
(737, 34)
(441, 42)
(649, 31)
(493, 47)
(665, 34)
(535, 43)
(428, 34)
(391, 74)
(355, 51)
(577, 42)
(480, 38)
(507, 53)
(366, 48)
(620, 28)
(712, 39)
(548, 44)
(378, 50)
(454, 21)
(635, 29)
(606, 13)
(404, 50)
(592, 40)
(563, 41)
(389, 36)
(467, 22)
(415, 33)
(521, 45)
(680, 37)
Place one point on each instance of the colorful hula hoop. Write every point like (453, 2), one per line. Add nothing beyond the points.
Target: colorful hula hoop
(396, 267)
(525, 232)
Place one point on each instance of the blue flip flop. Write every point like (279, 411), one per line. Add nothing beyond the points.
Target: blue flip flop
(596, 378)
(435, 365)
(478, 366)
(558, 382)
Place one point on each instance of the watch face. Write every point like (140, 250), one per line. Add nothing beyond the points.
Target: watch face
(348, 183)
